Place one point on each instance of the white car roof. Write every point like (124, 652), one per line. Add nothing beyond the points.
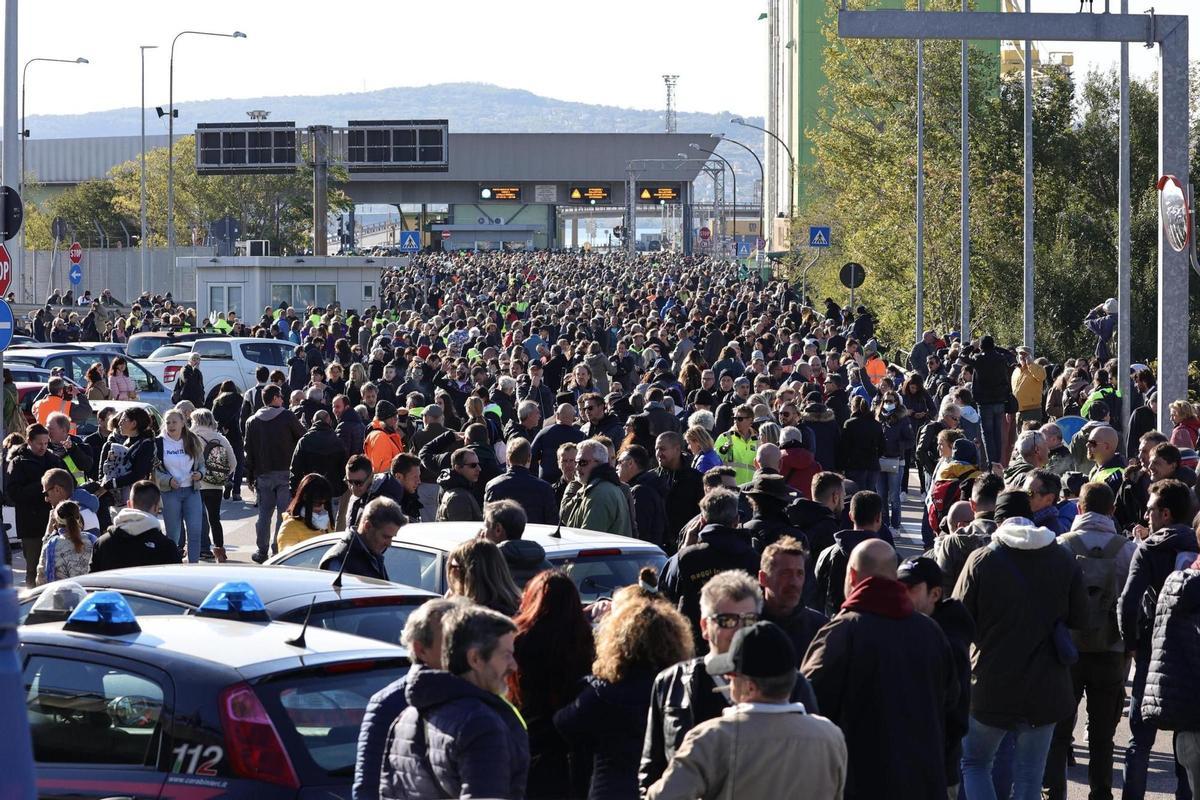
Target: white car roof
(446, 536)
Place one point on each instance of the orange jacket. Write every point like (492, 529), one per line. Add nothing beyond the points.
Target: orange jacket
(381, 447)
(52, 404)
(876, 369)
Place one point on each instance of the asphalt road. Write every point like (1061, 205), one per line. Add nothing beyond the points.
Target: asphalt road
(239, 519)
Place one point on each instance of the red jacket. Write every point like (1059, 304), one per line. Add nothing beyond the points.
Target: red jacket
(799, 466)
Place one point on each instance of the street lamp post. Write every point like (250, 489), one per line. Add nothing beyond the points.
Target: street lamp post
(25, 135)
(142, 218)
(762, 184)
(791, 161)
(171, 142)
(724, 161)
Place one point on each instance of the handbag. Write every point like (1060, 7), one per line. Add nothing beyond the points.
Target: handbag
(1060, 635)
(890, 465)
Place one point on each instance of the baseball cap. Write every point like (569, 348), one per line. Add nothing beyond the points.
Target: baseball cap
(915, 571)
(761, 651)
(385, 410)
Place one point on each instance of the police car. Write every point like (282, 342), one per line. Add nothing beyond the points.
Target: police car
(224, 703)
(362, 606)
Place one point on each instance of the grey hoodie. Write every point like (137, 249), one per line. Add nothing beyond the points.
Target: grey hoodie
(135, 522)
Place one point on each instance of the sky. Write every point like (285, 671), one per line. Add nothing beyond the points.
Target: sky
(613, 52)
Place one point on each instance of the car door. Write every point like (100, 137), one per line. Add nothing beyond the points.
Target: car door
(97, 723)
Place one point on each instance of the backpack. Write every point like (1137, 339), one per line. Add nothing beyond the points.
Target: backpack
(216, 463)
(1098, 566)
(944, 494)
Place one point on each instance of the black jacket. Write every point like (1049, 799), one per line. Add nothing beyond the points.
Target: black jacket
(1170, 698)
(320, 451)
(189, 386)
(135, 540)
(271, 437)
(650, 506)
(525, 558)
(991, 383)
(826, 430)
(767, 527)
(830, 573)
(817, 521)
(609, 425)
(351, 431)
(927, 452)
(545, 449)
(530, 492)
(684, 488)
(720, 548)
(1152, 562)
(359, 560)
(861, 444)
(79, 453)
(683, 696)
(608, 720)
(952, 617)
(456, 499)
(851, 666)
(23, 486)
(454, 740)
(382, 485)
(801, 626)
(226, 410)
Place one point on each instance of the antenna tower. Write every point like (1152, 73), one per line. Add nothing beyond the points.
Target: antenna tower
(670, 81)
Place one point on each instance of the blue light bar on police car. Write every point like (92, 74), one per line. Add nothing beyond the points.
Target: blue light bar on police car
(103, 612)
(234, 600)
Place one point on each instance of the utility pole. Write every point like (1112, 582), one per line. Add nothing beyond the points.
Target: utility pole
(320, 144)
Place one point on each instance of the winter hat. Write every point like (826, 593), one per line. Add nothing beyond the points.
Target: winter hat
(1110, 305)
(965, 451)
(1012, 504)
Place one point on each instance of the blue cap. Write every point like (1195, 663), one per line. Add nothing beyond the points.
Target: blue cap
(234, 600)
(103, 612)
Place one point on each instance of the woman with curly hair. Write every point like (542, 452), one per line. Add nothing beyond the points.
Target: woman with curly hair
(642, 636)
(550, 620)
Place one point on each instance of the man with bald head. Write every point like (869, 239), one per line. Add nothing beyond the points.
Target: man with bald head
(893, 719)
(544, 449)
(1102, 445)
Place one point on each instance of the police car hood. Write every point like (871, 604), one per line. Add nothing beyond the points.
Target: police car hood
(135, 522)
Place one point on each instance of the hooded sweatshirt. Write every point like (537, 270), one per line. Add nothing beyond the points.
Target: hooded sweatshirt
(135, 540)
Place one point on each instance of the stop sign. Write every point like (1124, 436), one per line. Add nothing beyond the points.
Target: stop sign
(445, 234)
(76, 252)
(705, 234)
(5, 270)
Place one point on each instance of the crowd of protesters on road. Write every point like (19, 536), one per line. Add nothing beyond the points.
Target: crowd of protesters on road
(767, 444)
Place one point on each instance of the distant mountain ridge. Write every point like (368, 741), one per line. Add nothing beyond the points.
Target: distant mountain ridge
(470, 108)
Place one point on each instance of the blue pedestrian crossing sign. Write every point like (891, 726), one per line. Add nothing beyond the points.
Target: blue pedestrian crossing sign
(818, 236)
(76, 274)
(743, 249)
(7, 324)
(410, 241)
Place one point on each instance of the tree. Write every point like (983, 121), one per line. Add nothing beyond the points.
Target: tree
(863, 182)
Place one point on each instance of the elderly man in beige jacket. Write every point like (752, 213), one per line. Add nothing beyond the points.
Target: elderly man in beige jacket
(764, 746)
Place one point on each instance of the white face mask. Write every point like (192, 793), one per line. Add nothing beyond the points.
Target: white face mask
(889, 407)
(321, 520)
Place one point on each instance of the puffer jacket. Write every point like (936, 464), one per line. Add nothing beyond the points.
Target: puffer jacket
(1170, 699)
(454, 740)
(1154, 560)
(798, 466)
(683, 696)
(601, 505)
(650, 507)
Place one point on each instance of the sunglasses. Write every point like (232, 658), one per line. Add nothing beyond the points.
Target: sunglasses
(353, 482)
(743, 419)
(583, 462)
(473, 464)
(728, 621)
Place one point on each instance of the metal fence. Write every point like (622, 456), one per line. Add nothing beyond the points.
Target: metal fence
(117, 269)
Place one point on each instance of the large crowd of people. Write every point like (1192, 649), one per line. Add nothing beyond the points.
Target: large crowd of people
(767, 444)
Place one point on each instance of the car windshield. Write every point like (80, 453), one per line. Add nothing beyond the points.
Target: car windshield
(599, 573)
(170, 350)
(318, 713)
(142, 346)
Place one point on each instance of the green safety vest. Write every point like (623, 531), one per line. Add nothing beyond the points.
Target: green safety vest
(75, 471)
(223, 326)
(738, 453)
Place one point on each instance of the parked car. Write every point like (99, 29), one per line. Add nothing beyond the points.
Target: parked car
(74, 364)
(233, 358)
(142, 344)
(362, 606)
(599, 563)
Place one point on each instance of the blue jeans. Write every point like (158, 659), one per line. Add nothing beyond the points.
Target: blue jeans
(889, 490)
(1141, 738)
(991, 427)
(183, 507)
(1029, 760)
